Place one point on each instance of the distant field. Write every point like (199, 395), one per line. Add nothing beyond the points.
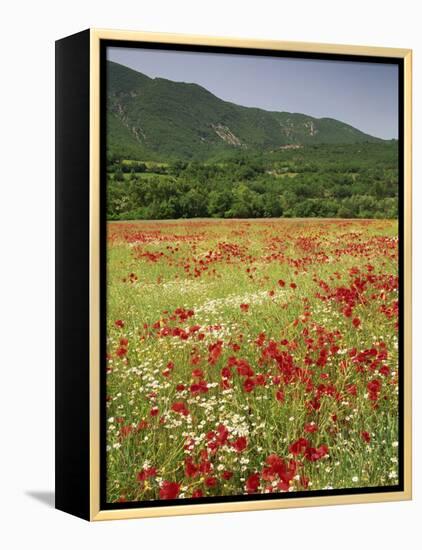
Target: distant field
(251, 356)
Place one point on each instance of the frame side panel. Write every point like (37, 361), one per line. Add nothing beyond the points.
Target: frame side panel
(72, 275)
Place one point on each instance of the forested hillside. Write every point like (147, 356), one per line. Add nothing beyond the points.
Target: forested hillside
(162, 120)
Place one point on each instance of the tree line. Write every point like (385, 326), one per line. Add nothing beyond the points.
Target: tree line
(361, 182)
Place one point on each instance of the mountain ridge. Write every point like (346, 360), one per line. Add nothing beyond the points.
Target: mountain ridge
(160, 119)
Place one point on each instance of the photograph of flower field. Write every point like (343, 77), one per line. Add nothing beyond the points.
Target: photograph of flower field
(252, 297)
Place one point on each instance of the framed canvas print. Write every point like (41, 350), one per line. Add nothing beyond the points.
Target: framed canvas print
(233, 274)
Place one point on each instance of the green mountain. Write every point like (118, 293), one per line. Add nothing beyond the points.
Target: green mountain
(158, 119)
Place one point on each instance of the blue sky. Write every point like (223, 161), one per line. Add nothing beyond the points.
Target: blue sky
(364, 95)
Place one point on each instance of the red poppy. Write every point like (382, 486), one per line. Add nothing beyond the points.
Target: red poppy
(252, 483)
(144, 474)
(261, 339)
(227, 475)
(281, 283)
(279, 396)
(195, 360)
(352, 389)
(180, 407)
(366, 436)
(248, 385)
(121, 352)
(240, 444)
(215, 350)
(283, 485)
(197, 373)
(119, 323)
(125, 431)
(169, 490)
(244, 368)
(278, 467)
(299, 446)
(154, 411)
(347, 311)
(356, 322)
(225, 384)
(205, 466)
(143, 424)
(310, 428)
(260, 380)
(313, 454)
(211, 481)
(199, 387)
(222, 434)
(191, 469)
(384, 370)
(244, 307)
(226, 372)
(304, 481)
(374, 388)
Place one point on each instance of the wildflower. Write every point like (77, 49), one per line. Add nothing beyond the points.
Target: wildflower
(125, 431)
(144, 474)
(121, 352)
(299, 446)
(240, 444)
(252, 483)
(154, 411)
(248, 385)
(311, 428)
(180, 407)
(199, 387)
(198, 373)
(279, 395)
(384, 370)
(211, 481)
(169, 490)
(191, 470)
(313, 454)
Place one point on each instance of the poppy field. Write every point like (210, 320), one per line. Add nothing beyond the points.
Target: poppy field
(250, 357)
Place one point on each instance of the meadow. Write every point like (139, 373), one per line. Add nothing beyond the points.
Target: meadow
(251, 356)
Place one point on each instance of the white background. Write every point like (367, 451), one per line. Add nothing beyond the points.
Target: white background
(27, 271)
